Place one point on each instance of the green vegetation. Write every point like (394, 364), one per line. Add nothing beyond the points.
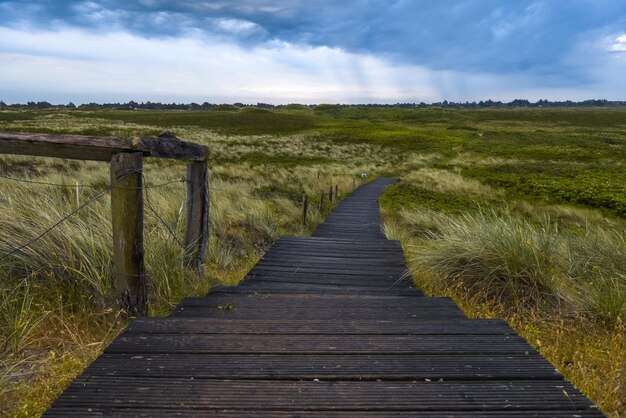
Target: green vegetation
(516, 213)
(406, 195)
(595, 186)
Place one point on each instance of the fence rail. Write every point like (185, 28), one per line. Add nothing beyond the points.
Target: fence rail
(127, 204)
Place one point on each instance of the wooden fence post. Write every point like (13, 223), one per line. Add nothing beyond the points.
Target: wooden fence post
(197, 227)
(322, 201)
(127, 219)
(305, 207)
(330, 194)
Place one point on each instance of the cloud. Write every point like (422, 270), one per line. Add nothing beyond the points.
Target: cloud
(524, 48)
(77, 65)
(618, 44)
(525, 35)
(123, 66)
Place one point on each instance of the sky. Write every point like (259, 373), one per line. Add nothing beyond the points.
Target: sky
(312, 51)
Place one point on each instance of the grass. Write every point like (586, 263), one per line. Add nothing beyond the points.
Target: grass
(515, 213)
(555, 273)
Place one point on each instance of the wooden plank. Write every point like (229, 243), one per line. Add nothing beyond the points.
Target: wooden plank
(332, 276)
(296, 298)
(273, 287)
(348, 247)
(215, 394)
(253, 413)
(382, 281)
(316, 344)
(347, 262)
(78, 147)
(315, 301)
(457, 326)
(320, 240)
(352, 271)
(295, 313)
(99, 148)
(170, 147)
(326, 367)
(326, 253)
(305, 260)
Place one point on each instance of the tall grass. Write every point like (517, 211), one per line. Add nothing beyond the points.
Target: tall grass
(557, 274)
(57, 311)
(529, 265)
(57, 306)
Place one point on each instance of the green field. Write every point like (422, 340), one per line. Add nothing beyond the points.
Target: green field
(515, 213)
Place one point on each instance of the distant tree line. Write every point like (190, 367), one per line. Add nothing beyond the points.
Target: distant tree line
(133, 105)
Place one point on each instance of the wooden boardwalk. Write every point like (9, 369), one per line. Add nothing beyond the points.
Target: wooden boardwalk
(327, 325)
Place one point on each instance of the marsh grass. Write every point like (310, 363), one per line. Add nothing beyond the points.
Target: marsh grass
(551, 264)
(555, 273)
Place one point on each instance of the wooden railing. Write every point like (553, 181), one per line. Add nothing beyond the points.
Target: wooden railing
(126, 164)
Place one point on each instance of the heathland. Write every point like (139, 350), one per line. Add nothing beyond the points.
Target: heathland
(514, 213)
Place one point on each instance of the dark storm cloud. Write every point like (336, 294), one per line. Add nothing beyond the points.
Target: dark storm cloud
(464, 35)
(373, 48)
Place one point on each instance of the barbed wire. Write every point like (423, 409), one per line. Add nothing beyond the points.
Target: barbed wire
(167, 226)
(55, 225)
(93, 186)
(44, 183)
(249, 196)
(108, 187)
(145, 186)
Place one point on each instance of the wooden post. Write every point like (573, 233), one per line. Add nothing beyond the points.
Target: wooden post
(127, 219)
(322, 201)
(330, 194)
(197, 227)
(305, 207)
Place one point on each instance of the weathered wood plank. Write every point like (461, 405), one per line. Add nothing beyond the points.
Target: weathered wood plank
(383, 282)
(317, 344)
(315, 301)
(98, 148)
(171, 147)
(456, 326)
(63, 146)
(352, 271)
(274, 287)
(327, 366)
(335, 314)
(262, 413)
(182, 394)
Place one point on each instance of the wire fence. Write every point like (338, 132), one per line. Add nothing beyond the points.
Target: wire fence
(103, 189)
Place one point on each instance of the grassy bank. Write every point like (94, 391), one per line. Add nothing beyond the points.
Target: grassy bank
(555, 273)
(515, 213)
